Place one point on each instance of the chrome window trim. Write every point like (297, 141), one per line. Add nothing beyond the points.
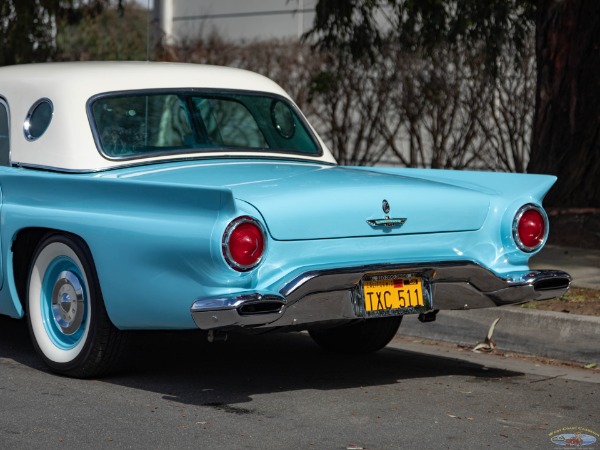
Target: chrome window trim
(27, 124)
(151, 162)
(182, 152)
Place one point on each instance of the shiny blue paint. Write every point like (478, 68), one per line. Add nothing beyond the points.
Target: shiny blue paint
(155, 231)
(339, 200)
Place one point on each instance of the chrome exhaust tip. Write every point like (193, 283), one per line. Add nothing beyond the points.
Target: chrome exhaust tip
(264, 307)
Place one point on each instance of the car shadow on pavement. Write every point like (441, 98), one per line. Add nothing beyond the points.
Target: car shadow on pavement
(15, 344)
(183, 367)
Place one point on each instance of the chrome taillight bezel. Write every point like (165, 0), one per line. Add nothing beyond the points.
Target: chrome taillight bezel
(515, 227)
(227, 236)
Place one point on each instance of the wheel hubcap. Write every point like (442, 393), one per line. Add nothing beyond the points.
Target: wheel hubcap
(67, 302)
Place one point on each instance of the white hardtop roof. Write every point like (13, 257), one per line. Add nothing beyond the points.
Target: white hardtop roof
(68, 144)
(92, 78)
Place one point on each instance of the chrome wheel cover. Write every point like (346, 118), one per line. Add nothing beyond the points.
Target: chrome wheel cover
(68, 302)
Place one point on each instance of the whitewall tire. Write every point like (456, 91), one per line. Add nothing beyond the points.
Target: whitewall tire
(67, 319)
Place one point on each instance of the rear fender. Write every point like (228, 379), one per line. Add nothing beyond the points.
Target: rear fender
(133, 228)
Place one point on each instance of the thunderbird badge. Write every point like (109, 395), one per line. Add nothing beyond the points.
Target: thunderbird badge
(387, 221)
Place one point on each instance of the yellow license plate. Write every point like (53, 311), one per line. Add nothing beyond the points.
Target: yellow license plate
(390, 292)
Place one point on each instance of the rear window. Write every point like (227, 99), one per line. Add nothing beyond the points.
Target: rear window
(137, 125)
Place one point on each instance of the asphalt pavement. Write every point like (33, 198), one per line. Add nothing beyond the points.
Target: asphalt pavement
(562, 336)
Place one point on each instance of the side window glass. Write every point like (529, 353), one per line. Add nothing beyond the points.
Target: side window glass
(4, 134)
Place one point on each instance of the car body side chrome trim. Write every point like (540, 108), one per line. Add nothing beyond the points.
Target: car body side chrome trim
(325, 295)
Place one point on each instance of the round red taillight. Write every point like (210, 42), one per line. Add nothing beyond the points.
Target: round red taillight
(243, 243)
(530, 228)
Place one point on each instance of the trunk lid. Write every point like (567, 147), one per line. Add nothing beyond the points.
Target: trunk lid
(311, 201)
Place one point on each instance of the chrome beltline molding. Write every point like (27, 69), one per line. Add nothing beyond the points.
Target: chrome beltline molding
(326, 295)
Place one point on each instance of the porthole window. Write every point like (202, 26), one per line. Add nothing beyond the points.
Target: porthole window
(283, 119)
(38, 119)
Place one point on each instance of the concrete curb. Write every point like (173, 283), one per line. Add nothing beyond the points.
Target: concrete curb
(541, 333)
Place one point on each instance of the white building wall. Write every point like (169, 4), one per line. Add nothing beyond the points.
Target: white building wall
(182, 20)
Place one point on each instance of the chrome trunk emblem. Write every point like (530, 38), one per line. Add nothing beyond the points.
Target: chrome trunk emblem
(387, 221)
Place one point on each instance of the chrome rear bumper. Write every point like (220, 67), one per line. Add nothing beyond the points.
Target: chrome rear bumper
(320, 296)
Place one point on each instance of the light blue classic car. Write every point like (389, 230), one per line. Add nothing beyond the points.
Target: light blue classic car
(171, 196)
